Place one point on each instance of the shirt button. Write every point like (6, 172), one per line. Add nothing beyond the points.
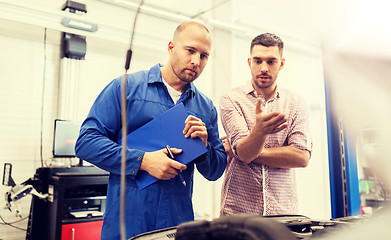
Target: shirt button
(133, 173)
(139, 158)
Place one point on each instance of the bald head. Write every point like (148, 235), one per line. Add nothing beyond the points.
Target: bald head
(182, 27)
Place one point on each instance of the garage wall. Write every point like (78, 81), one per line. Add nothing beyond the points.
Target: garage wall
(31, 72)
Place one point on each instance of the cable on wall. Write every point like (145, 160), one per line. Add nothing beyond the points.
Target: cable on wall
(125, 130)
(43, 95)
(11, 223)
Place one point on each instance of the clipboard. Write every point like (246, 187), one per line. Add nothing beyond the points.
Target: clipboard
(165, 129)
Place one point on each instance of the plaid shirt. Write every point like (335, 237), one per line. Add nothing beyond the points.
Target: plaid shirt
(254, 188)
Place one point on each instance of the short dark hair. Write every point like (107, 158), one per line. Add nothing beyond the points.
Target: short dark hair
(267, 40)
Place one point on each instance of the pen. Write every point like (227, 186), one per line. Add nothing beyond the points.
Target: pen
(170, 155)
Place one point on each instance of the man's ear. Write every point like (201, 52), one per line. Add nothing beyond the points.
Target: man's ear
(171, 45)
(282, 63)
(249, 62)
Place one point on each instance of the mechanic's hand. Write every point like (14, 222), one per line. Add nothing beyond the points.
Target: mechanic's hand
(194, 127)
(159, 165)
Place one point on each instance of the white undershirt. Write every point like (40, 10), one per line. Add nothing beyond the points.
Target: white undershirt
(175, 95)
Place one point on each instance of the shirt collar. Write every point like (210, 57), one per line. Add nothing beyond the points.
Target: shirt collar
(249, 89)
(155, 75)
(190, 90)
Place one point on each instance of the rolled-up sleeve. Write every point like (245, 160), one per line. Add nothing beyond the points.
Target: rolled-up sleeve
(233, 121)
(299, 135)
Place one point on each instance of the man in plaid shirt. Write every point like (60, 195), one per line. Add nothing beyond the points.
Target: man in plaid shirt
(267, 137)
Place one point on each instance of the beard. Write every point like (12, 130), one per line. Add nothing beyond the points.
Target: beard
(185, 76)
(258, 81)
